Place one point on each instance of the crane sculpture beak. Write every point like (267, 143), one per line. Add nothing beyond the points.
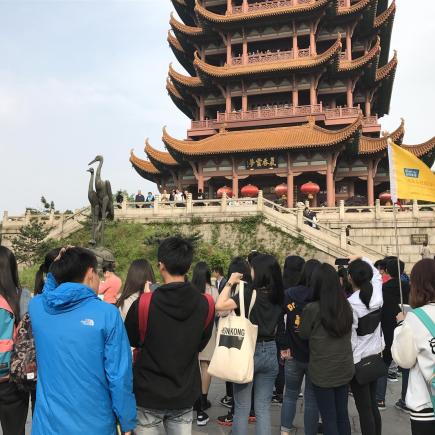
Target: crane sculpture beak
(93, 161)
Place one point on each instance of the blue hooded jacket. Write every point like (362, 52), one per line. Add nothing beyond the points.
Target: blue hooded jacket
(84, 363)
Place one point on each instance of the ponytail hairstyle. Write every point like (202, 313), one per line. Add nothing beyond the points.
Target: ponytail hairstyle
(335, 311)
(10, 287)
(43, 269)
(361, 274)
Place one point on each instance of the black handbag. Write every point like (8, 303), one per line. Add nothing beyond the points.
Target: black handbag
(369, 369)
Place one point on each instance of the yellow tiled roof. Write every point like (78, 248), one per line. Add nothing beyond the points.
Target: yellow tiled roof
(350, 65)
(281, 65)
(421, 149)
(183, 28)
(174, 42)
(143, 165)
(371, 145)
(353, 8)
(304, 136)
(246, 16)
(159, 156)
(191, 82)
(173, 90)
(387, 69)
(386, 15)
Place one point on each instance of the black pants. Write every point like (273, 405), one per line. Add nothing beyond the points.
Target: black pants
(280, 379)
(229, 389)
(14, 405)
(365, 401)
(422, 427)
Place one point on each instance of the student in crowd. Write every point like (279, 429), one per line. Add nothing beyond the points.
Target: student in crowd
(327, 324)
(14, 403)
(413, 347)
(241, 266)
(140, 277)
(295, 352)
(83, 354)
(218, 273)
(43, 270)
(366, 340)
(201, 280)
(390, 309)
(381, 266)
(292, 270)
(267, 310)
(166, 375)
(111, 285)
(139, 199)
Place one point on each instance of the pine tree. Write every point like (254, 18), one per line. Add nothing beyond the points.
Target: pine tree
(30, 244)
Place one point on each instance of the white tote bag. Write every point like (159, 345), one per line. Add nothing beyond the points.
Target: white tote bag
(233, 358)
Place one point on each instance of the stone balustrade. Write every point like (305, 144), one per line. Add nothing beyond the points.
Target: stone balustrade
(271, 56)
(270, 4)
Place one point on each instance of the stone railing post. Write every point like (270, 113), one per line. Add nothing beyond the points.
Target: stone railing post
(341, 209)
(51, 217)
(5, 217)
(343, 237)
(156, 204)
(224, 202)
(260, 201)
(300, 216)
(61, 224)
(189, 205)
(124, 205)
(27, 217)
(378, 209)
(415, 210)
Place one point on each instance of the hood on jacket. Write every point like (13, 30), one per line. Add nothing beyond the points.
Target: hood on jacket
(300, 294)
(178, 299)
(66, 297)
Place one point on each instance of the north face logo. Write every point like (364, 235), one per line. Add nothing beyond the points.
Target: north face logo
(232, 337)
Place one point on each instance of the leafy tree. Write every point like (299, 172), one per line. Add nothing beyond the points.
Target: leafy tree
(30, 244)
(48, 206)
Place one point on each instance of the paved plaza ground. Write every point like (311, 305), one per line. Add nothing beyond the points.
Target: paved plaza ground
(394, 422)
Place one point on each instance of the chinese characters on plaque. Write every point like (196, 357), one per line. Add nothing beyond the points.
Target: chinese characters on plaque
(262, 162)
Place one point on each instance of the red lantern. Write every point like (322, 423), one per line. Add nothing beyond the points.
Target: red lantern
(385, 197)
(249, 191)
(224, 189)
(310, 189)
(281, 190)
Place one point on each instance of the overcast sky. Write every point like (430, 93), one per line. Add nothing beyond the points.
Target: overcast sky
(86, 77)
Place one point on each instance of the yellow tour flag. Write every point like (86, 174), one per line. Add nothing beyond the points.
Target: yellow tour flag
(410, 178)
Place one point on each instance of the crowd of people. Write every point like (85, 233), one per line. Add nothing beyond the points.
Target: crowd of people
(133, 357)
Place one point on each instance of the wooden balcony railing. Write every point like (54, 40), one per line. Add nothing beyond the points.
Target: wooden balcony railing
(270, 4)
(271, 56)
(264, 113)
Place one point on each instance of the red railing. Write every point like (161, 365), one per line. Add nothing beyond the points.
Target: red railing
(271, 56)
(271, 4)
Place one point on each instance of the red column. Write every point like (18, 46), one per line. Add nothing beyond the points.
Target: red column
(290, 189)
(229, 50)
(370, 184)
(228, 100)
(245, 51)
(349, 93)
(313, 47)
(201, 108)
(330, 185)
(245, 5)
(313, 95)
(368, 105)
(244, 101)
(348, 44)
(229, 6)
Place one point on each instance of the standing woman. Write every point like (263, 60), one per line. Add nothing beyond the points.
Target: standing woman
(414, 347)
(43, 270)
(13, 403)
(201, 280)
(327, 324)
(367, 339)
(140, 275)
(267, 310)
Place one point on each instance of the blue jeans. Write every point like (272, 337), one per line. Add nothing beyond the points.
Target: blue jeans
(172, 422)
(294, 374)
(265, 371)
(332, 403)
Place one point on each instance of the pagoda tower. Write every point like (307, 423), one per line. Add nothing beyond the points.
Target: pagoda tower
(280, 92)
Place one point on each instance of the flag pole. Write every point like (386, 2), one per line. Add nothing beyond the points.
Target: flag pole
(393, 190)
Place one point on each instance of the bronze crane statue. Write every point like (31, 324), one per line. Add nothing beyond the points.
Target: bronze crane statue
(95, 207)
(103, 191)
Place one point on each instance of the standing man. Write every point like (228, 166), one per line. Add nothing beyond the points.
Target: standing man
(425, 251)
(82, 352)
(166, 374)
(111, 285)
(139, 198)
(220, 279)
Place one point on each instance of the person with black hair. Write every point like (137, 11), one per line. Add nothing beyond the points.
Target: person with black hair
(14, 403)
(381, 266)
(292, 270)
(327, 324)
(140, 278)
(83, 354)
(343, 276)
(238, 265)
(367, 338)
(295, 352)
(43, 270)
(267, 310)
(166, 374)
(110, 287)
(390, 309)
(201, 280)
(218, 273)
